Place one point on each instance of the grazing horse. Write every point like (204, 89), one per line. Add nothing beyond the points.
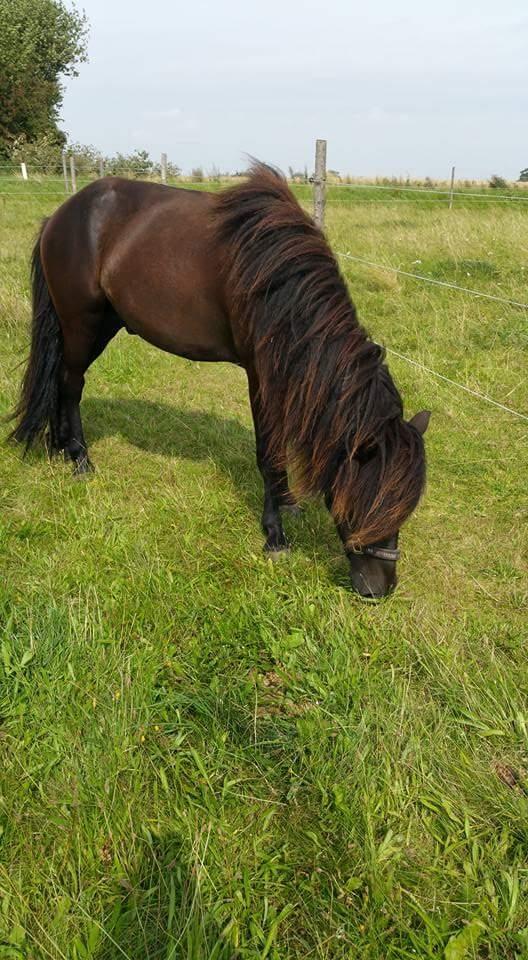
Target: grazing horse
(242, 276)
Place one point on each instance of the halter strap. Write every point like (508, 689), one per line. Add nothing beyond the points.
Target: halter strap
(380, 553)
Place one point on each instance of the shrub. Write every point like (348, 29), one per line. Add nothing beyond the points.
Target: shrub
(497, 183)
(41, 156)
(87, 159)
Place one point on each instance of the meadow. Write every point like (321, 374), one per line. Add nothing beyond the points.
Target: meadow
(206, 755)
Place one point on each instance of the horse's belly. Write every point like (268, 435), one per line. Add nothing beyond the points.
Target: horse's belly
(184, 341)
(196, 328)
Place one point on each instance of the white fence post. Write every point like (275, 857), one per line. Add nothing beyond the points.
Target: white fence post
(23, 170)
(164, 168)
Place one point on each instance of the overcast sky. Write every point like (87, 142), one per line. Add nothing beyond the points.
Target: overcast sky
(407, 87)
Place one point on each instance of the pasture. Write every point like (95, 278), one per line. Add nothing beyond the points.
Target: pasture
(210, 756)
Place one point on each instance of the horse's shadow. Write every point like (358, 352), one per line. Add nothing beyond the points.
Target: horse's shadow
(176, 432)
(201, 435)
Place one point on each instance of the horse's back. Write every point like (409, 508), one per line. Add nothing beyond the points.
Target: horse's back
(150, 251)
(91, 223)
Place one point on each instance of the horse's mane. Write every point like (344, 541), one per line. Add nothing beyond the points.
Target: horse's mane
(328, 401)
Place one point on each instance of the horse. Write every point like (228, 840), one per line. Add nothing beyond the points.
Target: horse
(242, 276)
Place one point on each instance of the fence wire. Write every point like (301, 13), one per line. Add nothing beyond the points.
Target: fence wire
(416, 363)
(437, 283)
(425, 190)
(455, 383)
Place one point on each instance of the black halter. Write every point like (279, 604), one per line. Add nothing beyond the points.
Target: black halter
(380, 553)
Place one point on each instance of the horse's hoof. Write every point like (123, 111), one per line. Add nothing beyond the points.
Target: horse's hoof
(83, 469)
(276, 553)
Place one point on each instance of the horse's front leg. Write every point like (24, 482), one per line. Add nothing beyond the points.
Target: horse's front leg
(271, 518)
(276, 492)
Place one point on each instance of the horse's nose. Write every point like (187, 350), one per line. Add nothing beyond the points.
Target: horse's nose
(371, 590)
(369, 594)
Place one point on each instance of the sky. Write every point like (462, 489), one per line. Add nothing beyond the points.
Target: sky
(407, 88)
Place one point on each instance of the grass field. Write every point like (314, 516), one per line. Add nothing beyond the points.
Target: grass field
(205, 755)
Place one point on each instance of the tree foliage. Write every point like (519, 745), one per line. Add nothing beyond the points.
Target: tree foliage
(43, 156)
(497, 183)
(41, 42)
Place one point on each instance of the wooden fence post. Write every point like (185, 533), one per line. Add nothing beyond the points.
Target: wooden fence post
(320, 183)
(72, 174)
(101, 167)
(65, 171)
(452, 187)
(164, 168)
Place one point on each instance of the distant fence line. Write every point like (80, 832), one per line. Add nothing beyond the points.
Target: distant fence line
(94, 167)
(443, 193)
(329, 202)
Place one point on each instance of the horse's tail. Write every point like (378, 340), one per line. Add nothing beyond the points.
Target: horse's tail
(38, 406)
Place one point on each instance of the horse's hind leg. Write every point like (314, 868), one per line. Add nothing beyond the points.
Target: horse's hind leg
(85, 338)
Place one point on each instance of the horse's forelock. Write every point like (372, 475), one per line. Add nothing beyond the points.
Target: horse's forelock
(374, 496)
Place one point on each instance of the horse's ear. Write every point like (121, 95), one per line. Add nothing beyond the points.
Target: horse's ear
(420, 421)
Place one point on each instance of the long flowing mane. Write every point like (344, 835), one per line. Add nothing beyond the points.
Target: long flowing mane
(329, 402)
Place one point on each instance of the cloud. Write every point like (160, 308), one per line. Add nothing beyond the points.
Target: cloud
(169, 114)
(377, 115)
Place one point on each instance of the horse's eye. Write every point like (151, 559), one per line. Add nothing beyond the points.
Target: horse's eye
(366, 453)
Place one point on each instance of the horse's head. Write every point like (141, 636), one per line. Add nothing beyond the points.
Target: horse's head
(373, 494)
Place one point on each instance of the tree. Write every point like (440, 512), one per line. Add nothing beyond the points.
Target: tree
(497, 183)
(137, 164)
(523, 176)
(41, 41)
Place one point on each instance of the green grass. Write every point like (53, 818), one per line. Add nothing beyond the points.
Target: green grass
(208, 755)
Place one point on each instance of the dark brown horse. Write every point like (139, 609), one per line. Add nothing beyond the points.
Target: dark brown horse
(242, 276)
